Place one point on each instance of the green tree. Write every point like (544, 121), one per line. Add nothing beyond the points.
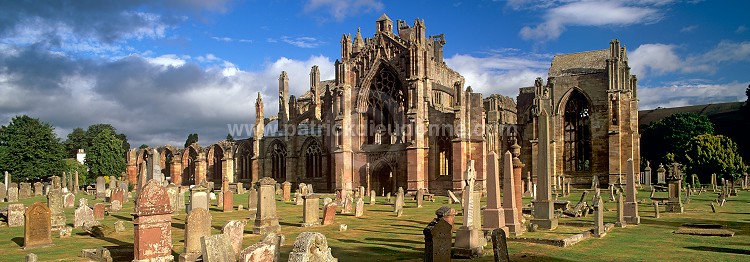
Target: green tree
(192, 138)
(106, 156)
(94, 130)
(707, 154)
(230, 138)
(143, 146)
(76, 140)
(72, 165)
(30, 149)
(671, 135)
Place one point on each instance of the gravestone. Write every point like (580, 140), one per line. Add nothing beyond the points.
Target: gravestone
(65, 232)
(64, 180)
(348, 205)
(153, 166)
(420, 198)
(500, 245)
(298, 199)
(25, 190)
(327, 200)
(674, 188)
(219, 199)
(276, 240)
(3, 192)
(359, 207)
(100, 184)
(172, 191)
(228, 202)
(266, 219)
(453, 198)
(467, 236)
(258, 252)
(217, 248)
(199, 197)
(372, 197)
(446, 213)
(38, 189)
(630, 211)
(656, 209)
(115, 206)
(494, 215)
(311, 246)
(152, 223)
(83, 214)
(7, 180)
(620, 216)
(16, 213)
(661, 174)
(197, 225)
(30, 257)
(235, 229)
(57, 208)
(286, 194)
(69, 200)
(398, 205)
(99, 211)
(252, 199)
(388, 197)
(599, 230)
(438, 239)
(12, 193)
(37, 229)
(310, 207)
(112, 182)
(75, 183)
(329, 213)
(119, 226)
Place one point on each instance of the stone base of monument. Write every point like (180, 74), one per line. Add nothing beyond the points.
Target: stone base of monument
(548, 224)
(189, 257)
(674, 207)
(266, 225)
(468, 243)
(311, 224)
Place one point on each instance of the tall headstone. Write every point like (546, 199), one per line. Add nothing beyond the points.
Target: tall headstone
(420, 197)
(631, 203)
(674, 190)
(544, 215)
(153, 167)
(467, 237)
(286, 194)
(235, 229)
(311, 246)
(252, 199)
(438, 239)
(65, 180)
(16, 214)
(359, 207)
(647, 174)
(7, 180)
(38, 189)
(152, 220)
(266, 219)
(13, 193)
(310, 206)
(348, 205)
(100, 184)
(599, 230)
(3, 192)
(494, 215)
(660, 174)
(511, 191)
(56, 207)
(197, 225)
(228, 202)
(37, 229)
(372, 197)
(70, 182)
(75, 183)
(398, 205)
(620, 205)
(25, 190)
(329, 213)
(199, 197)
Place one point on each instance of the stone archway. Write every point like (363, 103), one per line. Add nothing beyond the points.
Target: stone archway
(383, 179)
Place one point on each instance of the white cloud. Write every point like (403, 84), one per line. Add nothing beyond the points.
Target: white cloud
(689, 28)
(656, 58)
(589, 13)
(659, 59)
(302, 42)
(498, 74)
(342, 9)
(741, 29)
(687, 94)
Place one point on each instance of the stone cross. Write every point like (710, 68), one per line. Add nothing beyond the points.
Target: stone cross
(468, 236)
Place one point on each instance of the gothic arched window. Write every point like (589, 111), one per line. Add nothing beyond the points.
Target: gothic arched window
(313, 161)
(278, 161)
(577, 132)
(384, 117)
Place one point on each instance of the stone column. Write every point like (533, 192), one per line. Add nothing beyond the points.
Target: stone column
(494, 215)
(631, 204)
(544, 215)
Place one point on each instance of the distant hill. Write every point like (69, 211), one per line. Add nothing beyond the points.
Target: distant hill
(729, 119)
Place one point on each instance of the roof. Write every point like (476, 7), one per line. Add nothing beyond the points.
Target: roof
(383, 18)
(646, 117)
(579, 63)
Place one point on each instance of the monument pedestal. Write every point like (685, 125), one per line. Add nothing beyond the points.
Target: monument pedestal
(467, 243)
(543, 216)
(674, 207)
(632, 208)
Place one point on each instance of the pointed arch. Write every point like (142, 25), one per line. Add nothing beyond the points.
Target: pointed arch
(277, 154)
(312, 155)
(577, 147)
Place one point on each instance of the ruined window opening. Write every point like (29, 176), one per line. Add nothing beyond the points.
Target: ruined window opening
(445, 155)
(313, 161)
(577, 134)
(278, 161)
(385, 109)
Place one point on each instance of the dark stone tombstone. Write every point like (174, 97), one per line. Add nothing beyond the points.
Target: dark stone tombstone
(500, 245)
(438, 239)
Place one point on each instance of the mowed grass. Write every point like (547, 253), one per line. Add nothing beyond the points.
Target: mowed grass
(381, 236)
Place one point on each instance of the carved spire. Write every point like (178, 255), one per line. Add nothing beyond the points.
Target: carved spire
(358, 42)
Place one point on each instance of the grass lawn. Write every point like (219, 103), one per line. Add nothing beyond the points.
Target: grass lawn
(381, 236)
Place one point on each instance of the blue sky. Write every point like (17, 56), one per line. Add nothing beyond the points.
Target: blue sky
(159, 70)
